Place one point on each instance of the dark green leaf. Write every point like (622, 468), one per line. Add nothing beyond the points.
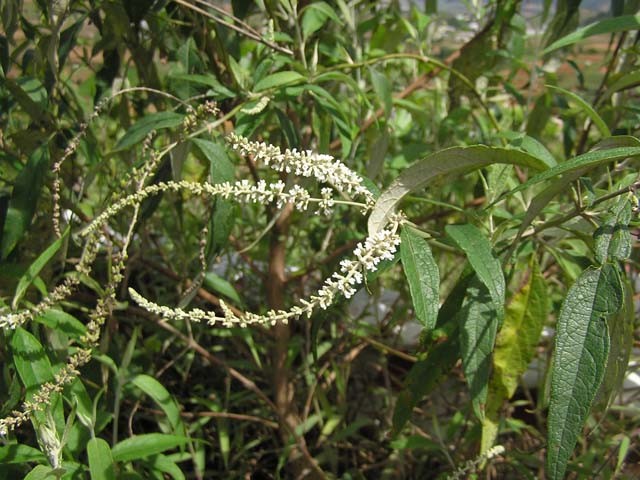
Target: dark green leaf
(621, 326)
(210, 81)
(582, 163)
(582, 349)
(63, 322)
(16, 453)
(422, 275)
(482, 259)
(456, 160)
(24, 199)
(315, 16)
(163, 398)
(613, 239)
(32, 96)
(479, 320)
(221, 169)
(152, 121)
(34, 369)
(163, 464)
(382, 88)
(36, 267)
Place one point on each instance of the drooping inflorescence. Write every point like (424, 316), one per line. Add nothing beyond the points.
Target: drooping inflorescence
(323, 168)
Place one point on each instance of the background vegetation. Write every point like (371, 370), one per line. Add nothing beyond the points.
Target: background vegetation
(418, 374)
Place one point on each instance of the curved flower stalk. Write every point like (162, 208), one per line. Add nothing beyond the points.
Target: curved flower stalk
(241, 191)
(368, 255)
(324, 168)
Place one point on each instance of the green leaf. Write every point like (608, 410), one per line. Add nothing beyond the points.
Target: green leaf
(620, 326)
(101, 466)
(531, 146)
(31, 361)
(36, 267)
(515, 347)
(223, 287)
(382, 88)
(34, 369)
(42, 472)
(426, 373)
(561, 184)
(455, 160)
(479, 319)
(586, 108)
(422, 275)
(150, 122)
(277, 79)
(24, 199)
(17, 453)
(629, 80)
(613, 239)
(481, 257)
(221, 169)
(582, 349)
(608, 25)
(141, 446)
(581, 163)
(163, 464)
(31, 95)
(210, 81)
(315, 16)
(163, 398)
(62, 321)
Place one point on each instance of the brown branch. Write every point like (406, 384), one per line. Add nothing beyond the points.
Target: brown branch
(234, 416)
(303, 465)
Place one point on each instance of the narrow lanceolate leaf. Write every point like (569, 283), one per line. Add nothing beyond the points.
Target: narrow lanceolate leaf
(163, 398)
(613, 239)
(36, 267)
(582, 349)
(144, 126)
(34, 368)
(422, 275)
(609, 25)
(141, 446)
(583, 163)
(456, 160)
(222, 219)
(486, 265)
(277, 79)
(620, 327)
(479, 320)
(100, 460)
(586, 108)
(515, 347)
(24, 199)
(561, 184)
